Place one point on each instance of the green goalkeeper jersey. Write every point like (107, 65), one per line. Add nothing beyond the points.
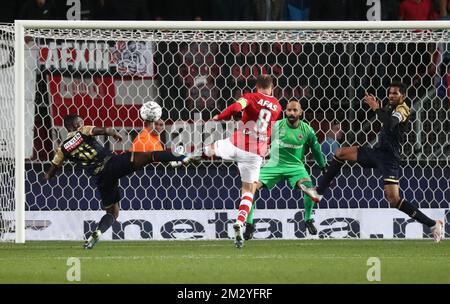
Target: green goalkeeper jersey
(289, 144)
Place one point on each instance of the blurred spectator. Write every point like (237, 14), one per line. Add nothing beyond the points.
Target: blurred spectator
(417, 10)
(149, 138)
(179, 10)
(9, 10)
(296, 10)
(99, 11)
(123, 10)
(203, 95)
(268, 10)
(334, 10)
(354, 10)
(38, 10)
(155, 9)
(332, 139)
(390, 9)
(191, 10)
(231, 10)
(444, 9)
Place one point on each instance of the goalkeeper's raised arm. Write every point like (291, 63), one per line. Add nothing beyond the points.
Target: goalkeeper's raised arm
(316, 150)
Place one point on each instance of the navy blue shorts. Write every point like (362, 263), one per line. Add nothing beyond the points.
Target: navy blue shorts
(383, 160)
(108, 179)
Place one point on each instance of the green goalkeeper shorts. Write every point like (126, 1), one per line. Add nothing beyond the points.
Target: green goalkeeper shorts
(269, 176)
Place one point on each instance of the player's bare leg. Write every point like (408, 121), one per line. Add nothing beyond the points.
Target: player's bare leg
(112, 212)
(392, 194)
(333, 169)
(248, 190)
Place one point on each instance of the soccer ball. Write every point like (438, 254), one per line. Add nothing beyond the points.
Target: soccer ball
(150, 111)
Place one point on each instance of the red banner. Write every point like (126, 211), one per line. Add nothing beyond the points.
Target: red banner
(92, 98)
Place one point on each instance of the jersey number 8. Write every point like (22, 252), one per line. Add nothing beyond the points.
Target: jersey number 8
(263, 120)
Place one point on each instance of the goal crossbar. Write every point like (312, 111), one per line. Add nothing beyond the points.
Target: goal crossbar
(235, 25)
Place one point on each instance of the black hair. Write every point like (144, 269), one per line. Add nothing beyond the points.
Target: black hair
(69, 121)
(400, 85)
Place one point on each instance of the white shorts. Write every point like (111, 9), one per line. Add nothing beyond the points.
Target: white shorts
(249, 164)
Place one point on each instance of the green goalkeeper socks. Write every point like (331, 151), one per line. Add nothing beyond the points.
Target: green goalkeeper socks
(307, 201)
(250, 215)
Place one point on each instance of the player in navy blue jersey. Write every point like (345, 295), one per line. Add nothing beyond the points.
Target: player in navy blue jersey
(385, 156)
(105, 167)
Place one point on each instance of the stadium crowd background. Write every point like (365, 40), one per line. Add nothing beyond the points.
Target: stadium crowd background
(228, 9)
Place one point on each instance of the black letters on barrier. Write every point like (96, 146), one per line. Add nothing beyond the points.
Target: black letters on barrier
(266, 228)
(399, 228)
(169, 229)
(221, 223)
(299, 225)
(118, 229)
(275, 227)
(88, 228)
(352, 227)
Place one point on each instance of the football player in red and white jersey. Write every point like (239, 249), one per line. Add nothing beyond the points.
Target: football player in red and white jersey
(249, 143)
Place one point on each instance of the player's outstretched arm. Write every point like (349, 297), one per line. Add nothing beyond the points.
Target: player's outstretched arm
(107, 131)
(231, 110)
(317, 151)
(51, 172)
(57, 163)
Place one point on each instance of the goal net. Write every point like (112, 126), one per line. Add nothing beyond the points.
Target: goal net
(105, 71)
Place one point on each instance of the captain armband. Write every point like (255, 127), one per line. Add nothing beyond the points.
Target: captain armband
(398, 115)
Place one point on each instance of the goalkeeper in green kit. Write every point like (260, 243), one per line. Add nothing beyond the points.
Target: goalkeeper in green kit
(290, 138)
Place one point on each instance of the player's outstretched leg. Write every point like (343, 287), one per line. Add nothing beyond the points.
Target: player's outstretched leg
(92, 240)
(437, 227)
(392, 195)
(308, 189)
(106, 221)
(141, 159)
(309, 222)
(332, 170)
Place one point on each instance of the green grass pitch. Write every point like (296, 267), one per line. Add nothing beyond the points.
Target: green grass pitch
(260, 261)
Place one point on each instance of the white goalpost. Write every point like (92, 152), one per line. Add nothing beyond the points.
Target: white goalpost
(104, 71)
